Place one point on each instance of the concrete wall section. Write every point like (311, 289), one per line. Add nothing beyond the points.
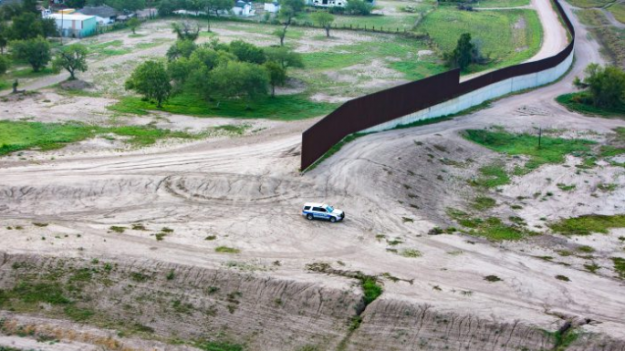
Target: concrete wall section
(479, 96)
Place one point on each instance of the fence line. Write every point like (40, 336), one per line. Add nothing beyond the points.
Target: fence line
(386, 105)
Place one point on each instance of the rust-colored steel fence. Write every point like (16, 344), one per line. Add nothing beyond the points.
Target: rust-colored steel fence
(386, 105)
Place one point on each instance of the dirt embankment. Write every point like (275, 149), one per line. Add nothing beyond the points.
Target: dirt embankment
(158, 301)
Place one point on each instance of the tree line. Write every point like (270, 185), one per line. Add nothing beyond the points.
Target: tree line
(213, 71)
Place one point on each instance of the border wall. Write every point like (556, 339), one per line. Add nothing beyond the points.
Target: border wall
(432, 97)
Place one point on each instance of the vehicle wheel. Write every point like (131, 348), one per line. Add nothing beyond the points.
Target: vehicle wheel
(309, 217)
(333, 219)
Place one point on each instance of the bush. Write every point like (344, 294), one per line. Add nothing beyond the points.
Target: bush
(606, 85)
(358, 7)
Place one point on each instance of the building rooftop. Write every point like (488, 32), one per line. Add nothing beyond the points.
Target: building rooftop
(100, 11)
(71, 17)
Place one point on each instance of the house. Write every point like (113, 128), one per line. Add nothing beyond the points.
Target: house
(75, 25)
(243, 8)
(272, 7)
(104, 14)
(332, 3)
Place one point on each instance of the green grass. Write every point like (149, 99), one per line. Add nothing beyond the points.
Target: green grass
(226, 249)
(552, 150)
(491, 228)
(588, 224)
(592, 17)
(218, 346)
(619, 266)
(482, 203)
(491, 176)
(495, 30)
(107, 49)
(371, 289)
(25, 73)
(590, 3)
(580, 103)
(502, 3)
(618, 10)
(18, 135)
(283, 107)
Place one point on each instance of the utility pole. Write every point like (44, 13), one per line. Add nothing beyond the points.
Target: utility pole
(540, 134)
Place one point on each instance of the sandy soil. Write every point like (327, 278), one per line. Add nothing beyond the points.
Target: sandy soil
(248, 192)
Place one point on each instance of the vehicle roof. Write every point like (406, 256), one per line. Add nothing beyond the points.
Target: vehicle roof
(315, 204)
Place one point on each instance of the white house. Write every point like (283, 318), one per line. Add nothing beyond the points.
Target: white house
(332, 3)
(75, 25)
(272, 7)
(243, 8)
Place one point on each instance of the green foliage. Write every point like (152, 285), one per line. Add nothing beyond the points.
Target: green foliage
(133, 24)
(152, 81)
(563, 278)
(492, 278)
(619, 266)
(35, 292)
(606, 85)
(239, 79)
(358, 7)
(247, 52)
(411, 253)
(582, 102)
(34, 51)
(491, 228)
(277, 75)
(19, 135)
(285, 57)
(491, 176)
(218, 346)
(26, 26)
(78, 314)
(371, 289)
(588, 224)
(5, 63)
(482, 203)
(226, 249)
(552, 150)
(282, 107)
(72, 58)
(462, 56)
(186, 30)
(496, 32)
(181, 48)
(323, 19)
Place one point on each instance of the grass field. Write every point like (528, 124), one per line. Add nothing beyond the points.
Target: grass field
(570, 101)
(509, 37)
(612, 39)
(586, 225)
(286, 107)
(590, 3)
(16, 136)
(502, 3)
(551, 151)
(618, 10)
(592, 17)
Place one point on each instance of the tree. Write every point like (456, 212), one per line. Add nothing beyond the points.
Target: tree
(247, 52)
(26, 26)
(277, 75)
(72, 58)
(186, 30)
(179, 72)
(324, 20)
(358, 7)
(30, 6)
(75, 4)
(166, 8)
(606, 85)
(134, 23)
(4, 64)
(34, 51)
(465, 53)
(215, 6)
(285, 57)
(239, 79)
(152, 81)
(288, 10)
(4, 38)
(181, 48)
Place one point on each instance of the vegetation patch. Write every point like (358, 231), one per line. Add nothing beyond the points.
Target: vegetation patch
(279, 107)
(619, 266)
(492, 228)
(226, 249)
(492, 278)
(578, 102)
(19, 135)
(482, 203)
(549, 151)
(491, 176)
(588, 224)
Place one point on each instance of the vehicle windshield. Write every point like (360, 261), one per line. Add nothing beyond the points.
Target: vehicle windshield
(330, 208)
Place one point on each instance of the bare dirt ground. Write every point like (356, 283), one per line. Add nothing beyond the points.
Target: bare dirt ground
(248, 193)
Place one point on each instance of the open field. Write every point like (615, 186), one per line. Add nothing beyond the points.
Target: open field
(618, 10)
(590, 3)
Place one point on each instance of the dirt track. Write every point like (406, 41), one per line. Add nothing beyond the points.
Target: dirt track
(247, 191)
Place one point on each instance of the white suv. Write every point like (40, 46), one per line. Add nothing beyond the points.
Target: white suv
(322, 211)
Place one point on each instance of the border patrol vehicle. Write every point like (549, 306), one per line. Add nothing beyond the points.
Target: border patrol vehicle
(322, 211)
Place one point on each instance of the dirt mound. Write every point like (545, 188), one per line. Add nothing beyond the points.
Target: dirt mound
(76, 84)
